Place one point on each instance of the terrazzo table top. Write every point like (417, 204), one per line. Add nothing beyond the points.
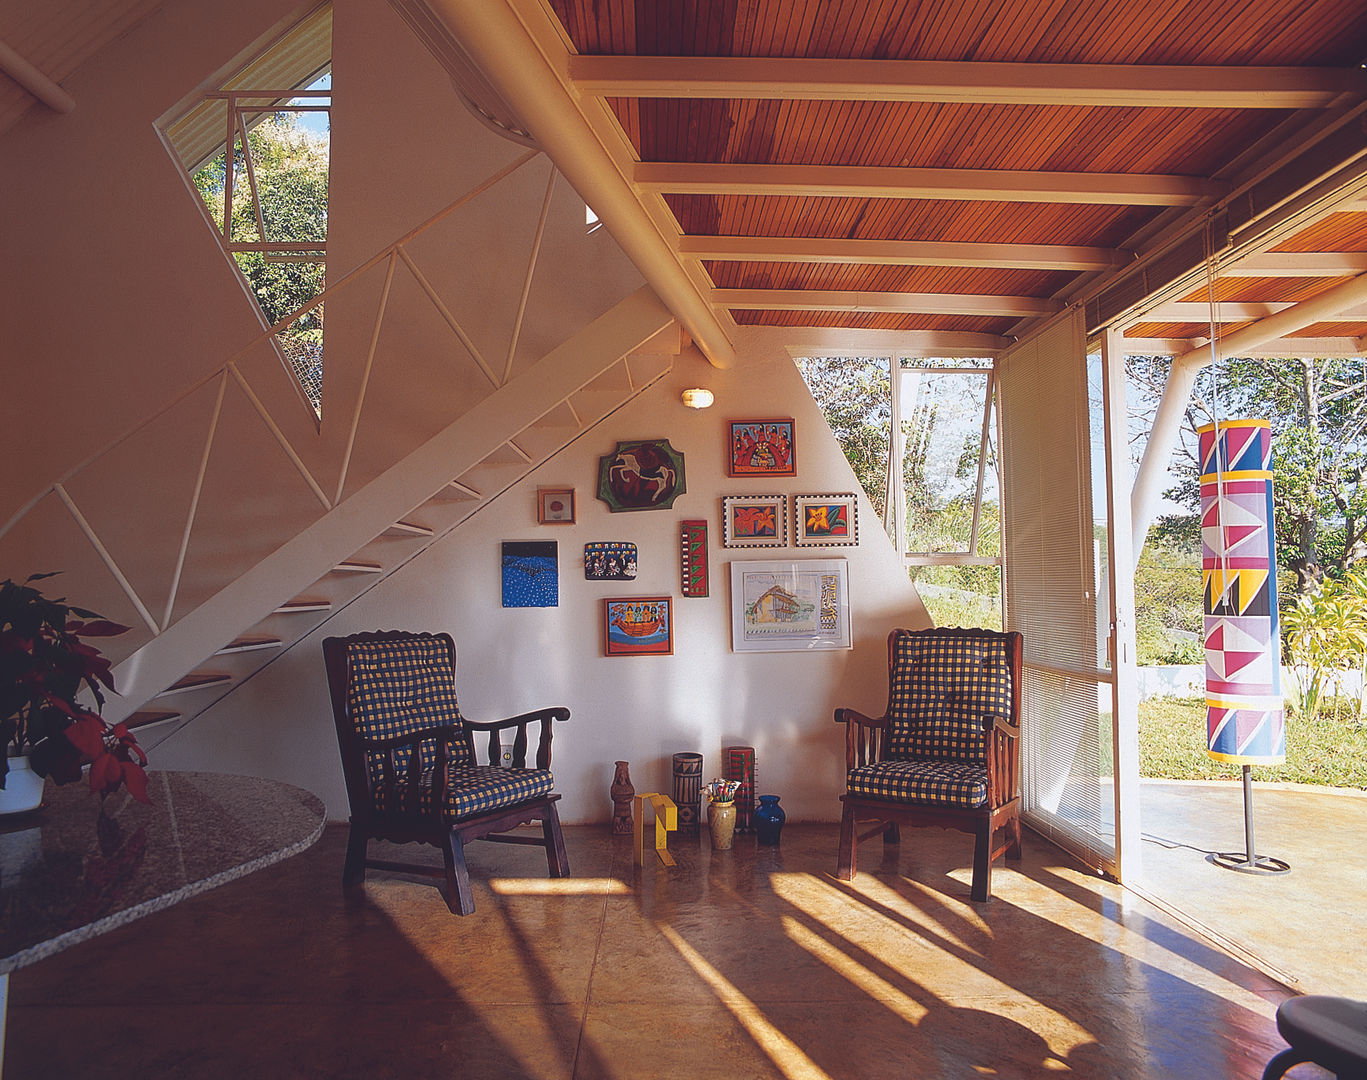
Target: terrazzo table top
(69, 873)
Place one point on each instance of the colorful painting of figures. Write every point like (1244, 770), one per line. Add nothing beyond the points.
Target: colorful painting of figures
(638, 626)
(644, 475)
(612, 560)
(754, 521)
(762, 448)
(796, 605)
(825, 520)
(693, 558)
(531, 576)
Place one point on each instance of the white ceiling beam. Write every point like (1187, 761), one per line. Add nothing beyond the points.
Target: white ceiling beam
(1128, 85)
(800, 341)
(876, 182)
(1298, 264)
(1229, 311)
(902, 253)
(1283, 346)
(907, 303)
(34, 81)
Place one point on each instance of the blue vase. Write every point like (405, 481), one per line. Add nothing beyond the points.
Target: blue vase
(769, 819)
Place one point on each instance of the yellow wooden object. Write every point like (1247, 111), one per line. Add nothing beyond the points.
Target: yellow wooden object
(666, 820)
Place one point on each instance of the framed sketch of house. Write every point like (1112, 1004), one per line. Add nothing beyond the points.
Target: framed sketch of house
(790, 605)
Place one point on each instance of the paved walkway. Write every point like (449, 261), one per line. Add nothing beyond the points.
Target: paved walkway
(1308, 927)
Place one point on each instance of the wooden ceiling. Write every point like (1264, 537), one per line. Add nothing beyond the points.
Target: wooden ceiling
(979, 165)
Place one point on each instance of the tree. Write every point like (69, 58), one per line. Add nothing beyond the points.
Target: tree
(855, 396)
(289, 165)
(1318, 411)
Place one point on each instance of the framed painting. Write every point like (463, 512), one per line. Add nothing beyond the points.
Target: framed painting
(693, 558)
(531, 574)
(825, 520)
(610, 560)
(761, 448)
(638, 626)
(644, 475)
(795, 605)
(555, 506)
(754, 521)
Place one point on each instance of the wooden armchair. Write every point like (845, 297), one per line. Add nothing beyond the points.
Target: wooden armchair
(946, 751)
(410, 765)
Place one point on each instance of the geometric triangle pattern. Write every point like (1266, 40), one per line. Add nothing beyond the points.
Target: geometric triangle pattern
(1245, 724)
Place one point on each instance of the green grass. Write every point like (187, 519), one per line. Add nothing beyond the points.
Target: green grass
(1330, 750)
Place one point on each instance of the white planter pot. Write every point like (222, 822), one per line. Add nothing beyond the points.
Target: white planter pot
(23, 788)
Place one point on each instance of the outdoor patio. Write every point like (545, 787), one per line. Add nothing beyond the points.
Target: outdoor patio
(1304, 928)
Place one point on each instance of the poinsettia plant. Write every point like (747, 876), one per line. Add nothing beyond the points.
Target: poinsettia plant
(44, 667)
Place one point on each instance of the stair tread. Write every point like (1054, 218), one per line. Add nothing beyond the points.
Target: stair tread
(198, 680)
(249, 643)
(304, 604)
(144, 717)
(410, 527)
(357, 566)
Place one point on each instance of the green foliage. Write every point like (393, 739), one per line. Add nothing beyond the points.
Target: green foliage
(855, 396)
(1168, 597)
(1329, 748)
(290, 168)
(1326, 631)
(1316, 408)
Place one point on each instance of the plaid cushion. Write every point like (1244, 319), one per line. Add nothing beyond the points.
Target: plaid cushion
(472, 789)
(948, 783)
(402, 687)
(943, 684)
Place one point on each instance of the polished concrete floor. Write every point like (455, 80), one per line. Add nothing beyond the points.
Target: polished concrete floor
(1306, 927)
(742, 964)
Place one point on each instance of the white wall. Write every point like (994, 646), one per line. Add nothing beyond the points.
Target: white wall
(640, 709)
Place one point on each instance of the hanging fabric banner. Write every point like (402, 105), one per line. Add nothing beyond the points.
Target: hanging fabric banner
(1244, 719)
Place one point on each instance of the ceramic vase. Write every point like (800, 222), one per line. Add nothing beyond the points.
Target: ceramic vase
(769, 819)
(23, 789)
(622, 792)
(721, 819)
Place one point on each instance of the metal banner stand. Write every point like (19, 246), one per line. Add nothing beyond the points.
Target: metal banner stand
(1246, 861)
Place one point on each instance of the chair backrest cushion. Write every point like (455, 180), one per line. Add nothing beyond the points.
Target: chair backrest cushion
(404, 686)
(943, 684)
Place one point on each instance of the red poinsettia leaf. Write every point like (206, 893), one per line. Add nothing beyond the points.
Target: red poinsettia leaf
(62, 705)
(105, 773)
(86, 734)
(136, 779)
(97, 628)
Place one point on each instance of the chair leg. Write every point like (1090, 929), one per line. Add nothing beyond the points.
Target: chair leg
(1013, 833)
(459, 898)
(892, 834)
(556, 859)
(849, 841)
(353, 869)
(982, 861)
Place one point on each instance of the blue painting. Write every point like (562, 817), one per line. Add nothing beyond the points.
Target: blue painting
(531, 577)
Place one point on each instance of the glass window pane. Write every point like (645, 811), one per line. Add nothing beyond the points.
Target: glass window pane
(942, 422)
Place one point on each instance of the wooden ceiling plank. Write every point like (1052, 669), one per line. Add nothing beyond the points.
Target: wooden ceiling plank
(905, 252)
(1007, 185)
(1124, 85)
(917, 303)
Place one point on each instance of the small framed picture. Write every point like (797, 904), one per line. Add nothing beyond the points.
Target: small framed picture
(555, 506)
(796, 605)
(825, 520)
(754, 521)
(762, 448)
(638, 626)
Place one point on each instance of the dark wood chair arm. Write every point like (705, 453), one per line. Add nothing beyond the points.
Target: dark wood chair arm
(864, 737)
(408, 779)
(854, 716)
(543, 749)
(1003, 758)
